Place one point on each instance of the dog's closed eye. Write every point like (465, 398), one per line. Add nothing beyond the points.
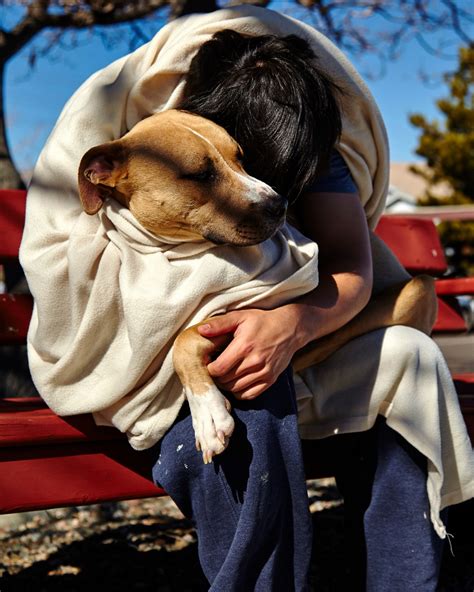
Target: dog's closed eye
(204, 174)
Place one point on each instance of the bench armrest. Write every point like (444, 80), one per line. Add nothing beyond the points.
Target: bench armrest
(455, 287)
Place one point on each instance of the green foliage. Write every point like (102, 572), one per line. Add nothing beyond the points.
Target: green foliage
(448, 149)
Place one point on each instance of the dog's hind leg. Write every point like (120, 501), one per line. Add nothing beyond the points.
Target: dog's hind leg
(411, 303)
(210, 410)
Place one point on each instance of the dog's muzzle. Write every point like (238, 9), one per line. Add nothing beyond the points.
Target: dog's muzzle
(271, 205)
(275, 209)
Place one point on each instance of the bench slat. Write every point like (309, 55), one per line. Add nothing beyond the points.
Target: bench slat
(448, 319)
(455, 287)
(415, 242)
(41, 477)
(15, 315)
(12, 218)
(35, 424)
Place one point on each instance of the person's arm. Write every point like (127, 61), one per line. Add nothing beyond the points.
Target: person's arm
(264, 342)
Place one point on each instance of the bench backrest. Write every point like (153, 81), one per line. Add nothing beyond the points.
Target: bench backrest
(415, 242)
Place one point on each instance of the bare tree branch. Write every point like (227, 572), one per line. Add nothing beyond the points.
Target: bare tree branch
(76, 15)
(392, 22)
(342, 20)
(456, 14)
(376, 28)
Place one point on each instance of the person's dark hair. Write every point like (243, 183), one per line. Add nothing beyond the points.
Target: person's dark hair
(269, 93)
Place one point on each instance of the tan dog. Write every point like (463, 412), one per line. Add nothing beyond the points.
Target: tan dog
(181, 176)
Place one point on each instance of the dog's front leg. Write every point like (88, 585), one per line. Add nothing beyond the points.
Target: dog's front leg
(210, 410)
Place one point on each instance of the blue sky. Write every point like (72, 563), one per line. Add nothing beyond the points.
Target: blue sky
(35, 97)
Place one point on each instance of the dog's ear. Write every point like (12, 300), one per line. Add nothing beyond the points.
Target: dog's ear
(100, 170)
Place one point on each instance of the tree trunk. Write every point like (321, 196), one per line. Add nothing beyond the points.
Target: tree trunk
(9, 176)
(184, 7)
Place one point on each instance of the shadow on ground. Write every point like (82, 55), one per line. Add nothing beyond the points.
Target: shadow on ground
(139, 550)
(150, 554)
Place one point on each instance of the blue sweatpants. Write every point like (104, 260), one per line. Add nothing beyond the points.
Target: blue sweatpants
(391, 545)
(250, 506)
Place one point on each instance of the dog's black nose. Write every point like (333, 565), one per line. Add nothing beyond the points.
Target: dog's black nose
(275, 207)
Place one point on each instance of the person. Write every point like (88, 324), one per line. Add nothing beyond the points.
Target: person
(269, 93)
(388, 395)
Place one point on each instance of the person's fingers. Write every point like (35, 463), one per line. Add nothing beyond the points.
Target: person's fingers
(242, 383)
(234, 353)
(227, 323)
(244, 367)
(253, 391)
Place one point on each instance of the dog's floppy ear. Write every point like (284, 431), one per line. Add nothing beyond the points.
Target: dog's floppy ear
(100, 169)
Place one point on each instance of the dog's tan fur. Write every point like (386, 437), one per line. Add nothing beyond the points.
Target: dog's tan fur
(157, 171)
(152, 170)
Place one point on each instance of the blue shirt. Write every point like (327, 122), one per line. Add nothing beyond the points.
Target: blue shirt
(337, 180)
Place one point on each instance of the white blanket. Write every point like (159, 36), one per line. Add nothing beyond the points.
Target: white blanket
(109, 297)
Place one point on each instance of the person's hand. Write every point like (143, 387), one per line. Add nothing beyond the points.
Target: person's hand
(264, 341)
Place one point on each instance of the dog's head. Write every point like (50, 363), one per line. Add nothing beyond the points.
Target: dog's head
(181, 176)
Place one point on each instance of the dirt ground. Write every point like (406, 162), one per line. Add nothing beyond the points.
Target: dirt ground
(147, 545)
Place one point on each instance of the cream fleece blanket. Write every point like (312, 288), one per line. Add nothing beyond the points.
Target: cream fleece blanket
(109, 297)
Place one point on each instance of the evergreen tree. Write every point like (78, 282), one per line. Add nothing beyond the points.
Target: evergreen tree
(448, 148)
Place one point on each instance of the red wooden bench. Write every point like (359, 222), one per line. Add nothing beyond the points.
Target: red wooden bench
(50, 461)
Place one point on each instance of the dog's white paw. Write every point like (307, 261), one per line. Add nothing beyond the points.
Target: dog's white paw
(212, 422)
